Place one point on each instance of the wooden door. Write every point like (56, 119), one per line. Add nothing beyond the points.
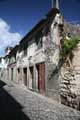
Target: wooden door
(41, 77)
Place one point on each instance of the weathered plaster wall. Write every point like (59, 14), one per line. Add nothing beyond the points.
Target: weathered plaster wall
(49, 54)
(52, 51)
(32, 47)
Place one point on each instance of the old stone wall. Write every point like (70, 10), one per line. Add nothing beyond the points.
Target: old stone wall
(70, 81)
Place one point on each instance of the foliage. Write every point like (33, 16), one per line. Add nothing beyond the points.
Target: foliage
(68, 46)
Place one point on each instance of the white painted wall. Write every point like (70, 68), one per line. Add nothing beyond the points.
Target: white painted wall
(32, 47)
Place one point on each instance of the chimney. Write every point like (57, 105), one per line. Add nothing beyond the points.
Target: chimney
(56, 4)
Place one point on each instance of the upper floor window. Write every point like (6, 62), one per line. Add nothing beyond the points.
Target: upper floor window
(25, 52)
(39, 40)
(25, 49)
(12, 60)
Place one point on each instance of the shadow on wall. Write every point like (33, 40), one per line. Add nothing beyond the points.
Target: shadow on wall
(10, 109)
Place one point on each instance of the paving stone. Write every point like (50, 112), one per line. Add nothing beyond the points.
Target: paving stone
(38, 107)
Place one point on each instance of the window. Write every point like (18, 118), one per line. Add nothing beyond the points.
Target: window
(18, 70)
(39, 40)
(25, 52)
(25, 49)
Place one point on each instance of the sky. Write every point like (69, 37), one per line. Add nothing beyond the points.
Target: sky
(17, 17)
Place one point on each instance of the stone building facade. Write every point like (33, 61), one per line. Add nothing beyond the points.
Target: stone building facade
(36, 60)
(33, 62)
(11, 67)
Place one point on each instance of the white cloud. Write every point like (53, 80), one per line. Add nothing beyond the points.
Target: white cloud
(7, 38)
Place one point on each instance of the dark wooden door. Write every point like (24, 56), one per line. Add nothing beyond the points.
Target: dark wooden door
(41, 77)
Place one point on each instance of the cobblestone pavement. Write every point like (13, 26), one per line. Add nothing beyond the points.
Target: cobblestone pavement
(33, 106)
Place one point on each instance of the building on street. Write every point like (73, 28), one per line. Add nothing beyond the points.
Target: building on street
(32, 62)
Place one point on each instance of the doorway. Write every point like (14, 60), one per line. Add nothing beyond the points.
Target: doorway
(32, 76)
(18, 73)
(41, 77)
(12, 74)
(25, 76)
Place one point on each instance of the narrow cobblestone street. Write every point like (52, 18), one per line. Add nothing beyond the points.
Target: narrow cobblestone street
(17, 103)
